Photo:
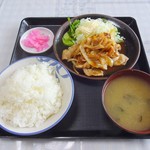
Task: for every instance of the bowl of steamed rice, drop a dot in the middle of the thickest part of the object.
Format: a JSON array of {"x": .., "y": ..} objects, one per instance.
[
  {"x": 35, "y": 95},
  {"x": 94, "y": 46}
]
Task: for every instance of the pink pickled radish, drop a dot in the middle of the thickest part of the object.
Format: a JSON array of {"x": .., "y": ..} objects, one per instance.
[{"x": 36, "y": 39}]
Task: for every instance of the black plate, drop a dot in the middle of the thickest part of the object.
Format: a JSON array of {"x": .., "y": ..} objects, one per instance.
[
  {"x": 130, "y": 46},
  {"x": 86, "y": 117}
]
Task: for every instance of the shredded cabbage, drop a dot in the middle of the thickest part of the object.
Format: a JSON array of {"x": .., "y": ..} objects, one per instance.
[{"x": 89, "y": 27}]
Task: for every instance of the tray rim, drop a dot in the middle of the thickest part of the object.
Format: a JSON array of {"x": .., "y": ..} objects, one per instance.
[{"x": 142, "y": 47}]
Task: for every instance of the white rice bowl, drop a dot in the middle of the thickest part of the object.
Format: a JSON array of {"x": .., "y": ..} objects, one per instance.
[{"x": 67, "y": 88}]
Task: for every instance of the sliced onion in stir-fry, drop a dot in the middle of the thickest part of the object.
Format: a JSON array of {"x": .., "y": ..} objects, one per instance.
[{"x": 95, "y": 54}]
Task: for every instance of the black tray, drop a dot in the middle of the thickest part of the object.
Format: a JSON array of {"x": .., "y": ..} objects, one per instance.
[{"x": 86, "y": 118}]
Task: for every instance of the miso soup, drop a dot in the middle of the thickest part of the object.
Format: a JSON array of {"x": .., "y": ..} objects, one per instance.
[{"x": 127, "y": 100}]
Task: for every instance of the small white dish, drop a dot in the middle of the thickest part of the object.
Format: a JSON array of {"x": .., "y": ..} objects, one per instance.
[
  {"x": 44, "y": 31},
  {"x": 66, "y": 83}
]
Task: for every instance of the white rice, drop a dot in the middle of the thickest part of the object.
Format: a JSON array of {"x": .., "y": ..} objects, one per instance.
[{"x": 30, "y": 96}]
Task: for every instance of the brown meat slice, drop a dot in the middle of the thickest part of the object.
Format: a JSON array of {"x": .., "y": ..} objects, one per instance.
[
  {"x": 93, "y": 72},
  {"x": 120, "y": 60}
]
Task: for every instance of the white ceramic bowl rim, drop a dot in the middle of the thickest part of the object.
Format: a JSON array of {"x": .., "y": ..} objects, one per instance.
[
  {"x": 62, "y": 116},
  {"x": 44, "y": 30}
]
